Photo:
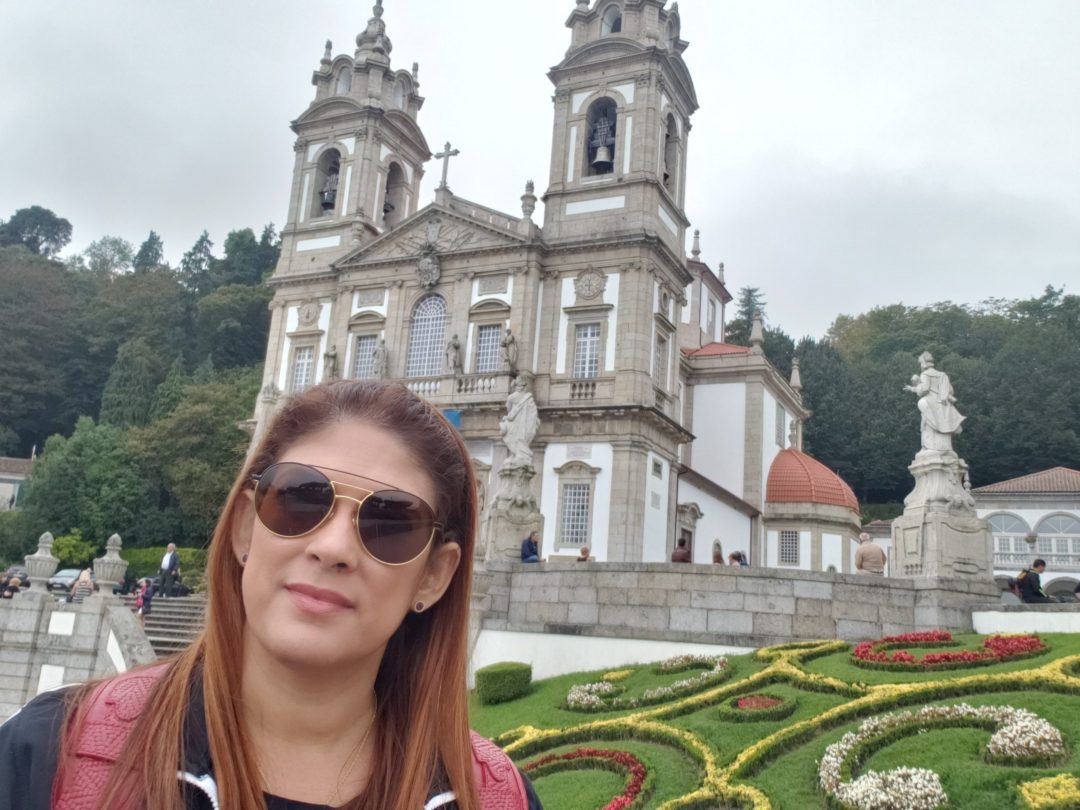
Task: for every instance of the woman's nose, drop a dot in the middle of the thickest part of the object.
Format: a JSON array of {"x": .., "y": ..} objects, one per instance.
[{"x": 335, "y": 541}]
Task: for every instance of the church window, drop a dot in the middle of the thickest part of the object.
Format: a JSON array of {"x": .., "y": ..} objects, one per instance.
[
  {"x": 781, "y": 423},
  {"x": 660, "y": 362},
  {"x": 394, "y": 201},
  {"x": 487, "y": 348},
  {"x": 574, "y": 526},
  {"x": 303, "y": 370},
  {"x": 427, "y": 338},
  {"x": 587, "y": 350},
  {"x": 364, "y": 366},
  {"x": 600, "y": 131},
  {"x": 658, "y": 469},
  {"x": 344, "y": 81},
  {"x": 327, "y": 174},
  {"x": 671, "y": 155},
  {"x": 789, "y": 548},
  {"x": 611, "y": 22},
  {"x": 400, "y": 94}
]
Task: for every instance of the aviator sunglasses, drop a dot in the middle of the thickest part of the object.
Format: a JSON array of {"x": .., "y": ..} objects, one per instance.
[{"x": 293, "y": 500}]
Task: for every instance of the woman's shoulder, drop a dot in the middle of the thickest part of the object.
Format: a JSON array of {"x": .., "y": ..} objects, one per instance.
[{"x": 29, "y": 745}]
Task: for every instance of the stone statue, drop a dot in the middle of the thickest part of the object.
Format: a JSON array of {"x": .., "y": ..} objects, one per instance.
[
  {"x": 453, "y": 355},
  {"x": 940, "y": 419},
  {"x": 380, "y": 360},
  {"x": 330, "y": 363},
  {"x": 519, "y": 426},
  {"x": 509, "y": 351}
]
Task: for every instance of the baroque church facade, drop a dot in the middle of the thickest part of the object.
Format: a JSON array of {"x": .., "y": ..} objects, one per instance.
[{"x": 651, "y": 428}]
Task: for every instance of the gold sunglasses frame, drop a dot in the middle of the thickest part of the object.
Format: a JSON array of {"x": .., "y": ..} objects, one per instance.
[{"x": 436, "y": 526}]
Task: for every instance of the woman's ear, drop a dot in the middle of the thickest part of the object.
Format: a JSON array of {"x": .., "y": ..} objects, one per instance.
[
  {"x": 438, "y": 573},
  {"x": 243, "y": 519}
]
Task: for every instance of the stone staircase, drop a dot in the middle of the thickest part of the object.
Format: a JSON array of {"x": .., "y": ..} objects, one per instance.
[{"x": 173, "y": 623}]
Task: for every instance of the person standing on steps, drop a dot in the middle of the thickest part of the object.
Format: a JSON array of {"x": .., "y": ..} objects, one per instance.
[{"x": 170, "y": 570}]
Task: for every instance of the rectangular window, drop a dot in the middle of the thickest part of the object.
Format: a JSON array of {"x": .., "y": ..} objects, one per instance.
[
  {"x": 1044, "y": 545},
  {"x": 487, "y": 348},
  {"x": 364, "y": 367},
  {"x": 660, "y": 362},
  {"x": 587, "y": 350},
  {"x": 780, "y": 418},
  {"x": 575, "y": 516},
  {"x": 303, "y": 370},
  {"x": 789, "y": 548},
  {"x": 710, "y": 323},
  {"x": 658, "y": 469}
]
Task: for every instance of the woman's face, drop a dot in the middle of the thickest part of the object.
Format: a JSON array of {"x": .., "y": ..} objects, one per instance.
[{"x": 320, "y": 600}]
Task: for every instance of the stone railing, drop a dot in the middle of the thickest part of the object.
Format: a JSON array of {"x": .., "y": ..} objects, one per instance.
[
  {"x": 1021, "y": 560},
  {"x": 448, "y": 389}
]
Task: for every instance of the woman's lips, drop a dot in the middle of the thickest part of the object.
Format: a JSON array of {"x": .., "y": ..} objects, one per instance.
[{"x": 317, "y": 600}]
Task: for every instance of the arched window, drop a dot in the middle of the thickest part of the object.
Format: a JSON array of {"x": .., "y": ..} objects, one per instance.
[
  {"x": 1060, "y": 535},
  {"x": 671, "y": 155},
  {"x": 395, "y": 200},
  {"x": 426, "y": 338},
  {"x": 400, "y": 94},
  {"x": 327, "y": 173},
  {"x": 611, "y": 22},
  {"x": 1010, "y": 547},
  {"x": 344, "y": 81},
  {"x": 671, "y": 36},
  {"x": 600, "y": 131}
]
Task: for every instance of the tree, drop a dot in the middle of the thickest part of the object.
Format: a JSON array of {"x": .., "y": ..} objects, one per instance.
[
  {"x": 195, "y": 266},
  {"x": 37, "y": 229},
  {"x": 151, "y": 253},
  {"x": 243, "y": 261},
  {"x": 108, "y": 256},
  {"x": 171, "y": 391},
  {"x": 750, "y": 300},
  {"x": 232, "y": 325},
  {"x": 129, "y": 391}
]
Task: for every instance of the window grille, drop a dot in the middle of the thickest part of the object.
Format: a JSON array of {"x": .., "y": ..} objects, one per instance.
[
  {"x": 660, "y": 362},
  {"x": 427, "y": 338},
  {"x": 789, "y": 548},
  {"x": 575, "y": 515},
  {"x": 587, "y": 350},
  {"x": 364, "y": 367},
  {"x": 780, "y": 419},
  {"x": 302, "y": 368},
  {"x": 487, "y": 348}
]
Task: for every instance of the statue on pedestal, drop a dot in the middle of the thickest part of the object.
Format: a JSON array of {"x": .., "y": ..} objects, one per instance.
[
  {"x": 519, "y": 426},
  {"x": 940, "y": 419},
  {"x": 330, "y": 368},
  {"x": 509, "y": 351},
  {"x": 453, "y": 355},
  {"x": 380, "y": 360}
]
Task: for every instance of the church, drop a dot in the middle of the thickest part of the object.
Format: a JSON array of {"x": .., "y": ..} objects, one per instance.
[{"x": 649, "y": 428}]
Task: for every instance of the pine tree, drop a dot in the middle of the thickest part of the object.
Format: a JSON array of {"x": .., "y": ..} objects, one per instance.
[
  {"x": 151, "y": 253},
  {"x": 129, "y": 391},
  {"x": 171, "y": 391},
  {"x": 195, "y": 266}
]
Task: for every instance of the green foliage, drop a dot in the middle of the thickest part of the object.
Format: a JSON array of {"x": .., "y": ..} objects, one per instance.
[
  {"x": 108, "y": 256},
  {"x": 72, "y": 551},
  {"x": 146, "y": 562},
  {"x": 171, "y": 391},
  {"x": 16, "y": 540},
  {"x": 37, "y": 229},
  {"x": 506, "y": 680},
  {"x": 9, "y": 440},
  {"x": 195, "y": 266},
  {"x": 151, "y": 253},
  {"x": 232, "y": 325},
  {"x": 129, "y": 391},
  {"x": 247, "y": 261}
]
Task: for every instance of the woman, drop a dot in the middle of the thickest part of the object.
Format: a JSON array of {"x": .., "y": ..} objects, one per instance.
[
  {"x": 144, "y": 600},
  {"x": 331, "y": 670},
  {"x": 82, "y": 587}
]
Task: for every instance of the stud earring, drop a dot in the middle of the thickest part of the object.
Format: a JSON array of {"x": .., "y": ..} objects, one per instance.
[
  {"x": 418, "y": 607},
  {"x": 243, "y": 559}
]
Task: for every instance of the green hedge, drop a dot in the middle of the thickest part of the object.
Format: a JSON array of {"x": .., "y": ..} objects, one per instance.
[
  {"x": 146, "y": 562},
  {"x": 506, "y": 680}
]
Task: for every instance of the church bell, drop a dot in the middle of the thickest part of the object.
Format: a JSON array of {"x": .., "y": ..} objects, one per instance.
[{"x": 602, "y": 161}]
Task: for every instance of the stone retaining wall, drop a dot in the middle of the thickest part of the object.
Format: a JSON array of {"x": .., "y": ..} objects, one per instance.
[{"x": 746, "y": 607}]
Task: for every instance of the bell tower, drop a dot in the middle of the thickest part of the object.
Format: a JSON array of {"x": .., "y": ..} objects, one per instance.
[
  {"x": 623, "y": 101},
  {"x": 359, "y": 153}
]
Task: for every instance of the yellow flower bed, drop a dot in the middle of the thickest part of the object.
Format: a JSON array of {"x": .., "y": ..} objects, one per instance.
[
  {"x": 1061, "y": 792},
  {"x": 617, "y": 675}
]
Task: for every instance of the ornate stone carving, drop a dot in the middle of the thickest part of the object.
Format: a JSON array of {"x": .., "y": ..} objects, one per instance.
[
  {"x": 590, "y": 284},
  {"x": 427, "y": 268},
  {"x": 371, "y": 297},
  {"x": 110, "y": 569},
  {"x": 519, "y": 426},
  {"x": 309, "y": 313},
  {"x": 41, "y": 564},
  {"x": 491, "y": 285},
  {"x": 940, "y": 419}
]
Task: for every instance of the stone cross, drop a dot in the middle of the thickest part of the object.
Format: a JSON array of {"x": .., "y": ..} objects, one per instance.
[{"x": 445, "y": 156}]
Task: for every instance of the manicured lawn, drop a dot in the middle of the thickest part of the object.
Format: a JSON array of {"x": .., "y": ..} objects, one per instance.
[{"x": 697, "y": 759}]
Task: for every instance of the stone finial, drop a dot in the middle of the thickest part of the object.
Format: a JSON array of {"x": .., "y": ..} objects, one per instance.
[
  {"x": 583, "y": 5},
  {"x": 109, "y": 570},
  {"x": 757, "y": 334},
  {"x": 377, "y": 9},
  {"x": 416, "y": 72},
  {"x": 796, "y": 378},
  {"x": 720, "y": 271},
  {"x": 372, "y": 41},
  {"x": 328, "y": 54},
  {"x": 528, "y": 200},
  {"x": 794, "y": 435},
  {"x": 42, "y": 564},
  {"x": 695, "y": 251}
]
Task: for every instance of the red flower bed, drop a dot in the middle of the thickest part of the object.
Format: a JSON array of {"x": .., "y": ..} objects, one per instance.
[
  {"x": 620, "y": 761},
  {"x": 757, "y": 702},
  {"x": 994, "y": 650}
]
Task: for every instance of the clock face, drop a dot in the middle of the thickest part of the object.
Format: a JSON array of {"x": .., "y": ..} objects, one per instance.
[{"x": 590, "y": 285}]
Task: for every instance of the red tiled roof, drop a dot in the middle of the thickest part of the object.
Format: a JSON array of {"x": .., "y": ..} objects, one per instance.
[
  {"x": 1055, "y": 480},
  {"x": 716, "y": 349},
  {"x": 17, "y": 466},
  {"x": 795, "y": 477}
]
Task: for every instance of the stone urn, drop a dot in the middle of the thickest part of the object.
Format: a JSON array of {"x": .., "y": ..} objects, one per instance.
[
  {"x": 42, "y": 564},
  {"x": 109, "y": 570}
]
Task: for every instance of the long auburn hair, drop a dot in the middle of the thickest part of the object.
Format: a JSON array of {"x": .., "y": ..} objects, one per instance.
[{"x": 422, "y": 715}]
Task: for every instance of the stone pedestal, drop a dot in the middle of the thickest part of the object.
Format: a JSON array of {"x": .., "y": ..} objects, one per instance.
[
  {"x": 512, "y": 515},
  {"x": 110, "y": 569},
  {"x": 939, "y": 534},
  {"x": 41, "y": 564}
]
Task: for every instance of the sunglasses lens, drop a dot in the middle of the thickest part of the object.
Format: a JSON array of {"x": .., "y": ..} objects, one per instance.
[
  {"x": 291, "y": 499},
  {"x": 394, "y": 526}
]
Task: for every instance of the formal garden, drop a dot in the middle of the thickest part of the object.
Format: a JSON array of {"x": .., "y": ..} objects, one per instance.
[{"x": 911, "y": 722}]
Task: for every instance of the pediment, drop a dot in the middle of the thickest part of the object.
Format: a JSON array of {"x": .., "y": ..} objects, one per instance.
[
  {"x": 328, "y": 108},
  {"x": 434, "y": 228}
]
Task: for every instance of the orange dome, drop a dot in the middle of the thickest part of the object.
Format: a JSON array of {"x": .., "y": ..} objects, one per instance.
[{"x": 795, "y": 477}]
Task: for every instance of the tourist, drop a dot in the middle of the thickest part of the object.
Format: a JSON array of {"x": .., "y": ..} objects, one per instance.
[
  {"x": 1030, "y": 582},
  {"x": 11, "y": 588},
  {"x": 738, "y": 558},
  {"x": 530, "y": 548},
  {"x": 681, "y": 553},
  {"x": 170, "y": 571},
  {"x": 717, "y": 553},
  {"x": 144, "y": 599},
  {"x": 583, "y": 554},
  {"x": 869, "y": 557},
  {"x": 82, "y": 587},
  {"x": 331, "y": 667}
]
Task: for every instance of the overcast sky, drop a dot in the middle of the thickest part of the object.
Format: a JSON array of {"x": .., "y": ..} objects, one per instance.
[{"x": 847, "y": 153}]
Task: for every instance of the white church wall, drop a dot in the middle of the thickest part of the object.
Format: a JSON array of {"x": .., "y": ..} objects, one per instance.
[
  {"x": 505, "y": 297},
  {"x": 567, "y": 298},
  {"x": 718, "y": 521},
  {"x": 772, "y": 551},
  {"x": 770, "y": 449},
  {"x": 654, "y": 547},
  {"x": 598, "y": 455},
  {"x": 719, "y": 425},
  {"x": 292, "y": 320},
  {"x": 832, "y": 552}
]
